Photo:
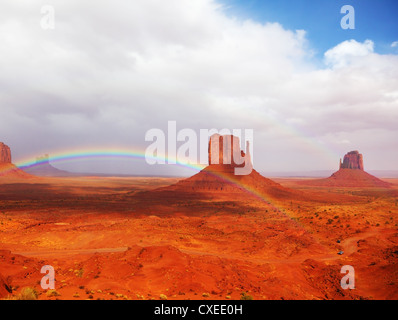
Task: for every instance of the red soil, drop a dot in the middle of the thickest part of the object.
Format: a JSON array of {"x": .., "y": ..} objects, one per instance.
[
  {"x": 5, "y": 288},
  {"x": 111, "y": 238}
]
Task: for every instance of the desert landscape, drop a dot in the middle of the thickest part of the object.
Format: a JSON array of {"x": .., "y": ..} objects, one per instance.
[
  {"x": 212, "y": 236},
  {"x": 198, "y": 150}
]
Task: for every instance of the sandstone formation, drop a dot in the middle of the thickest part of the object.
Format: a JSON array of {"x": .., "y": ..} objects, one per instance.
[
  {"x": 352, "y": 160},
  {"x": 5, "y": 153},
  {"x": 226, "y": 150},
  {"x": 225, "y": 155},
  {"x": 229, "y": 173},
  {"x": 351, "y": 174}
]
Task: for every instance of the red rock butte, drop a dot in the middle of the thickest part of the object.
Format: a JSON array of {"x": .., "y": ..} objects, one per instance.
[
  {"x": 226, "y": 156},
  {"x": 351, "y": 174},
  {"x": 219, "y": 177},
  {"x": 352, "y": 160}
]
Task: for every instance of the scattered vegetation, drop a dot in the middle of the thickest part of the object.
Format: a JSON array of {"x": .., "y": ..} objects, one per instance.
[
  {"x": 79, "y": 273},
  {"x": 27, "y": 293},
  {"x": 163, "y": 297},
  {"x": 245, "y": 296},
  {"x": 52, "y": 293}
]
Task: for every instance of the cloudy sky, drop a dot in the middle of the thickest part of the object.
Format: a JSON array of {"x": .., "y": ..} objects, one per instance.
[{"x": 109, "y": 71}]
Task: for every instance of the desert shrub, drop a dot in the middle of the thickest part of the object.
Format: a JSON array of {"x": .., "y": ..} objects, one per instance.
[
  {"x": 245, "y": 296},
  {"x": 27, "y": 293},
  {"x": 79, "y": 273},
  {"x": 52, "y": 293}
]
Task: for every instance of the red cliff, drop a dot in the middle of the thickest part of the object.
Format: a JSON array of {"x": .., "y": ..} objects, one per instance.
[
  {"x": 352, "y": 160},
  {"x": 226, "y": 156}
]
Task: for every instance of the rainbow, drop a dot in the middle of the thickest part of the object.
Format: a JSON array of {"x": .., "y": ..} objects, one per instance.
[
  {"x": 90, "y": 153},
  {"x": 71, "y": 155}
]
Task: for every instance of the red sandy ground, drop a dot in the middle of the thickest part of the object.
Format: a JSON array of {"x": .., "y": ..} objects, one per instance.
[{"x": 112, "y": 238}]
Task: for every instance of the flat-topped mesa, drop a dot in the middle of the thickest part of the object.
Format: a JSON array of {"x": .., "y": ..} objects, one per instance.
[
  {"x": 5, "y": 153},
  {"x": 352, "y": 160},
  {"x": 225, "y": 155}
]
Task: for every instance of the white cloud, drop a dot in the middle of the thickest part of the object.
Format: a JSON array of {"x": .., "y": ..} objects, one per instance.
[
  {"x": 112, "y": 70},
  {"x": 394, "y": 44},
  {"x": 345, "y": 52}
]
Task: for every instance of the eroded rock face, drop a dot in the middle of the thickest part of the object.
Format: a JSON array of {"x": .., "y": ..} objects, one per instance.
[
  {"x": 225, "y": 155},
  {"x": 5, "y": 153},
  {"x": 352, "y": 160}
]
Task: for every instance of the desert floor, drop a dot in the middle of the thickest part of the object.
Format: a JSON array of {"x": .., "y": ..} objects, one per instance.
[{"x": 111, "y": 238}]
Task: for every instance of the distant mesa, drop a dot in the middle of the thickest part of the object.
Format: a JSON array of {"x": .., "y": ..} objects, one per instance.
[
  {"x": 350, "y": 174},
  {"x": 220, "y": 178},
  {"x": 7, "y": 169},
  {"x": 43, "y": 168}
]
